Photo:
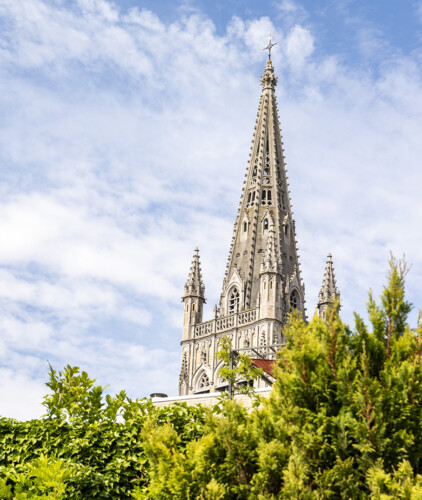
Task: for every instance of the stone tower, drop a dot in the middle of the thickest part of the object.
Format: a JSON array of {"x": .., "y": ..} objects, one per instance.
[
  {"x": 262, "y": 283},
  {"x": 328, "y": 293}
]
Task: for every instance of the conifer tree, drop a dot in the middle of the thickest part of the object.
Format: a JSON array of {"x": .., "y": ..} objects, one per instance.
[{"x": 343, "y": 419}]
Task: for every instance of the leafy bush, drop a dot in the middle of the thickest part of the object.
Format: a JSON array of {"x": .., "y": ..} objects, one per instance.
[{"x": 96, "y": 445}]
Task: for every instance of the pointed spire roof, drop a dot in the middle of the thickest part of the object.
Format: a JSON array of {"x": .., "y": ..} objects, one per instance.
[
  {"x": 271, "y": 259},
  {"x": 328, "y": 292},
  {"x": 194, "y": 285},
  {"x": 265, "y": 198}
]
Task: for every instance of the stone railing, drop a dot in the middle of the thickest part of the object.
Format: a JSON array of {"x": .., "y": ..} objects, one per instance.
[
  {"x": 204, "y": 328},
  {"x": 247, "y": 317},
  {"x": 226, "y": 323}
]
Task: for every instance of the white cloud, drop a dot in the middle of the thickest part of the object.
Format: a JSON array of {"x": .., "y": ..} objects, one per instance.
[
  {"x": 299, "y": 46},
  {"x": 291, "y": 12},
  {"x": 418, "y": 9}
]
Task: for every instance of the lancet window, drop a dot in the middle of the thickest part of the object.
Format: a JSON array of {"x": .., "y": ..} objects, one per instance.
[
  {"x": 234, "y": 301},
  {"x": 266, "y": 197},
  {"x": 294, "y": 300},
  {"x": 251, "y": 197}
]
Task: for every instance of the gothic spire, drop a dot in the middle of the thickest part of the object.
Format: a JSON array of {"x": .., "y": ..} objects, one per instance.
[
  {"x": 328, "y": 292},
  {"x": 194, "y": 285},
  {"x": 265, "y": 199}
]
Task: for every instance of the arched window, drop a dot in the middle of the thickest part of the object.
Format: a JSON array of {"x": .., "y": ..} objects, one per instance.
[
  {"x": 286, "y": 229},
  {"x": 294, "y": 300},
  {"x": 245, "y": 226},
  {"x": 249, "y": 197},
  {"x": 234, "y": 301},
  {"x": 255, "y": 171},
  {"x": 269, "y": 195},
  {"x": 253, "y": 196},
  {"x": 265, "y": 224},
  {"x": 264, "y": 195},
  {"x": 267, "y": 169}
]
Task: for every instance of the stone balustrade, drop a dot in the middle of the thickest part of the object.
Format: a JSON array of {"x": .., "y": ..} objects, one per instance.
[{"x": 226, "y": 323}]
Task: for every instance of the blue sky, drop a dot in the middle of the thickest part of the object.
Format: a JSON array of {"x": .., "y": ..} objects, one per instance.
[{"x": 125, "y": 133}]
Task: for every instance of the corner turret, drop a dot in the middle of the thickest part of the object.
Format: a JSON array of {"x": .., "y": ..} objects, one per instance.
[
  {"x": 194, "y": 296},
  {"x": 328, "y": 293}
]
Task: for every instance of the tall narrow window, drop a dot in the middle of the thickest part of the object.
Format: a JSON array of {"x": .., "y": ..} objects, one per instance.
[
  {"x": 255, "y": 171},
  {"x": 267, "y": 169},
  {"x": 245, "y": 226},
  {"x": 265, "y": 224},
  {"x": 234, "y": 301},
  {"x": 269, "y": 195},
  {"x": 253, "y": 196},
  {"x": 249, "y": 197},
  {"x": 264, "y": 195},
  {"x": 294, "y": 300}
]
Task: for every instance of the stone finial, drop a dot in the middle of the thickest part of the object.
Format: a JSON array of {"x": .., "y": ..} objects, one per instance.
[
  {"x": 268, "y": 79},
  {"x": 328, "y": 293},
  {"x": 194, "y": 285},
  {"x": 270, "y": 262}
]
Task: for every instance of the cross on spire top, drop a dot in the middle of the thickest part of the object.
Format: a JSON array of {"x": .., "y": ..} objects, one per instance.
[{"x": 270, "y": 46}]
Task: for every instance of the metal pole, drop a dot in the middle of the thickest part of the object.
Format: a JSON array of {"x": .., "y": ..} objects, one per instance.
[{"x": 231, "y": 366}]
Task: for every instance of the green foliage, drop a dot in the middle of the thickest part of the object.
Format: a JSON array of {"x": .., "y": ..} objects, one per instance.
[
  {"x": 238, "y": 371},
  {"x": 343, "y": 419},
  {"x": 42, "y": 478},
  {"x": 94, "y": 448},
  {"x": 402, "y": 483}
]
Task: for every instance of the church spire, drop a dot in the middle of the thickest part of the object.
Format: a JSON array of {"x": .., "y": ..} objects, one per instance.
[
  {"x": 194, "y": 285},
  {"x": 265, "y": 202},
  {"x": 328, "y": 293}
]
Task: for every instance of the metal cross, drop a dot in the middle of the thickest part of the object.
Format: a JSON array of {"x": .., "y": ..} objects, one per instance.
[{"x": 269, "y": 46}]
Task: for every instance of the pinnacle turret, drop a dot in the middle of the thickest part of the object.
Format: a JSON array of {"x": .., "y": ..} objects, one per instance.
[
  {"x": 268, "y": 79},
  {"x": 328, "y": 293},
  {"x": 194, "y": 285},
  {"x": 271, "y": 262}
]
